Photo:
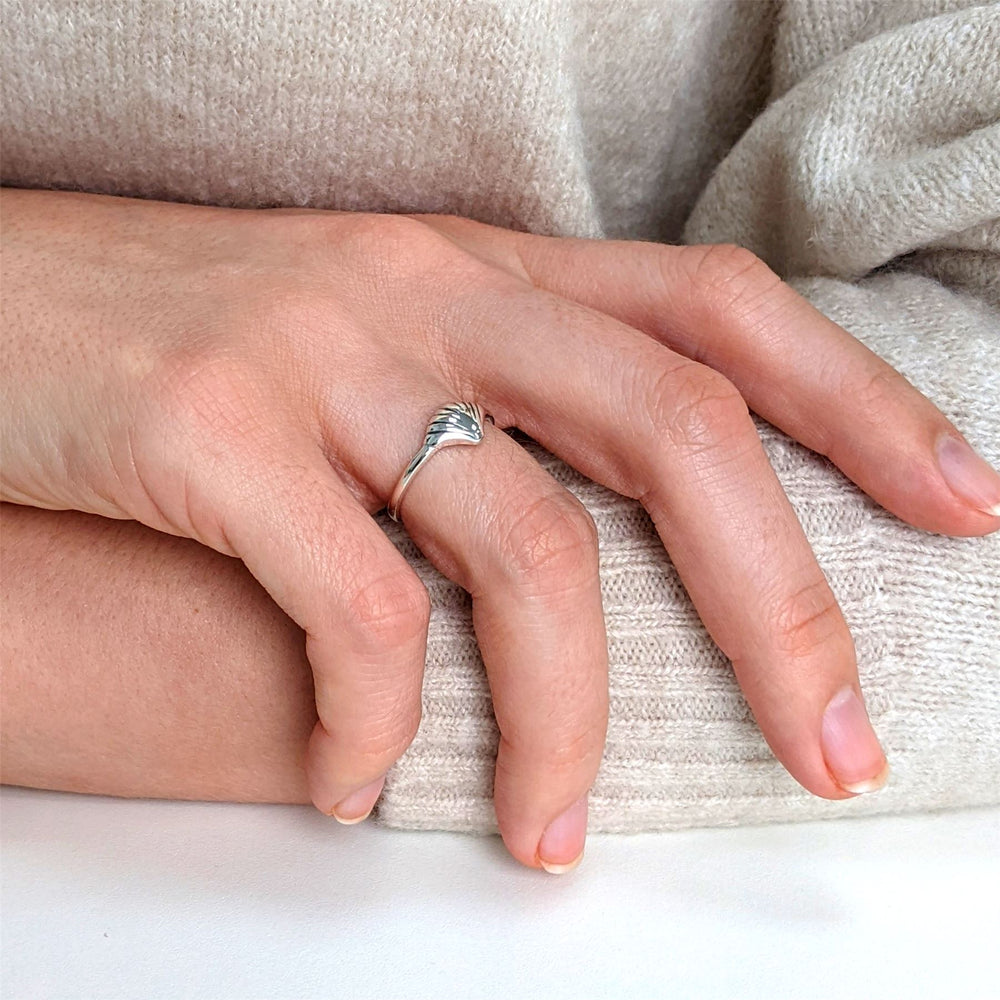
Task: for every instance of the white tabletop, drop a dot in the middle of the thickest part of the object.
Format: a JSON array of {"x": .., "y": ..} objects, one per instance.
[{"x": 112, "y": 898}]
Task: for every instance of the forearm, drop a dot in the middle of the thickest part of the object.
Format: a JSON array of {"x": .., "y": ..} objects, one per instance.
[{"x": 140, "y": 664}]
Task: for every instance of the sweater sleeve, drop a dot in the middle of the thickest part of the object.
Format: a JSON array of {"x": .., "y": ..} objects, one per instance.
[
  {"x": 871, "y": 182},
  {"x": 885, "y": 156}
]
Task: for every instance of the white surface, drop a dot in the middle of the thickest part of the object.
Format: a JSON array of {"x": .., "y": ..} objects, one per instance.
[{"x": 111, "y": 898}]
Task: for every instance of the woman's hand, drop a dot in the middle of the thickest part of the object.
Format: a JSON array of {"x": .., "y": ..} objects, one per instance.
[{"x": 258, "y": 380}]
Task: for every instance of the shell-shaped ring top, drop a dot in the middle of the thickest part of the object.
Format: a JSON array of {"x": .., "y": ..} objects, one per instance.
[{"x": 456, "y": 423}]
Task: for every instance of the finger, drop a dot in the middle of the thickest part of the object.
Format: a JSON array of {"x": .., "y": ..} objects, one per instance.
[
  {"x": 364, "y": 610},
  {"x": 722, "y": 306},
  {"x": 491, "y": 519},
  {"x": 650, "y": 424}
]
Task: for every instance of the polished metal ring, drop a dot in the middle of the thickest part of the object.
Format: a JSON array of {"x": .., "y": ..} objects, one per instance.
[{"x": 456, "y": 423}]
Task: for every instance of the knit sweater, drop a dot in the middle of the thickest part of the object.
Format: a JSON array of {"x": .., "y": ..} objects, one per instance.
[{"x": 853, "y": 144}]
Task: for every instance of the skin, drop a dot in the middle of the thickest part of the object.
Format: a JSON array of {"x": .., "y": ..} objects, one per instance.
[
  {"x": 255, "y": 381},
  {"x": 163, "y": 668}
]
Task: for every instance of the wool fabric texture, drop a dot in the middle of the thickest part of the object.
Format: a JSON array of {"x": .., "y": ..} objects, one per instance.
[{"x": 852, "y": 144}]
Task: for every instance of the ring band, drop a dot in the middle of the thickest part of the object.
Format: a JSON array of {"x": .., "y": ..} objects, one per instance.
[{"x": 456, "y": 423}]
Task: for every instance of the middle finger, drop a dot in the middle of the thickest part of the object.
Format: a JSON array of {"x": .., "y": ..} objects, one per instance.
[{"x": 653, "y": 425}]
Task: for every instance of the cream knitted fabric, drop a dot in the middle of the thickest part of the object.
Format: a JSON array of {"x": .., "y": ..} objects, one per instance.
[
  {"x": 554, "y": 116},
  {"x": 868, "y": 174}
]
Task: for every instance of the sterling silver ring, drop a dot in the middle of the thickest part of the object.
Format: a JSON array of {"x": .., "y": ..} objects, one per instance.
[{"x": 456, "y": 423}]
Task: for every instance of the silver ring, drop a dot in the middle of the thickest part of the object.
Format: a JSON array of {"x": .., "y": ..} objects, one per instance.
[{"x": 456, "y": 423}]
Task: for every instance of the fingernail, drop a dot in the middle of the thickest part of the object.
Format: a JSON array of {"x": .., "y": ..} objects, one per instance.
[
  {"x": 561, "y": 846},
  {"x": 851, "y": 749},
  {"x": 970, "y": 476},
  {"x": 358, "y": 805}
]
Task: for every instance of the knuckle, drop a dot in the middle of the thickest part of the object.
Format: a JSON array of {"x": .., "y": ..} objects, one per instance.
[
  {"x": 559, "y": 752},
  {"x": 386, "y": 735},
  {"x": 429, "y": 281},
  {"x": 730, "y": 277},
  {"x": 549, "y": 542},
  {"x": 569, "y": 750},
  {"x": 375, "y": 234},
  {"x": 876, "y": 395},
  {"x": 807, "y": 620},
  {"x": 230, "y": 376},
  {"x": 388, "y": 609},
  {"x": 697, "y": 408},
  {"x": 402, "y": 249},
  {"x": 205, "y": 393},
  {"x": 286, "y": 314}
]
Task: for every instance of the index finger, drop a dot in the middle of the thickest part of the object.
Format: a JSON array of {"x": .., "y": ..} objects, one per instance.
[{"x": 723, "y": 306}]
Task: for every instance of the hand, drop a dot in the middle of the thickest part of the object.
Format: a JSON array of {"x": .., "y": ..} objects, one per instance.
[{"x": 257, "y": 380}]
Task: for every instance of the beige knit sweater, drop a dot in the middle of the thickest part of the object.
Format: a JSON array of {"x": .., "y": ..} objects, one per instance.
[{"x": 853, "y": 144}]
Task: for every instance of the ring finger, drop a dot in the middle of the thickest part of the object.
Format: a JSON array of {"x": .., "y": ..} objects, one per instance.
[{"x": 492, "y": 520}]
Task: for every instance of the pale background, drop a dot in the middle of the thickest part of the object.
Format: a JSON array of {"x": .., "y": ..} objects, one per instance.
[{"x": 107, "y": 898}]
